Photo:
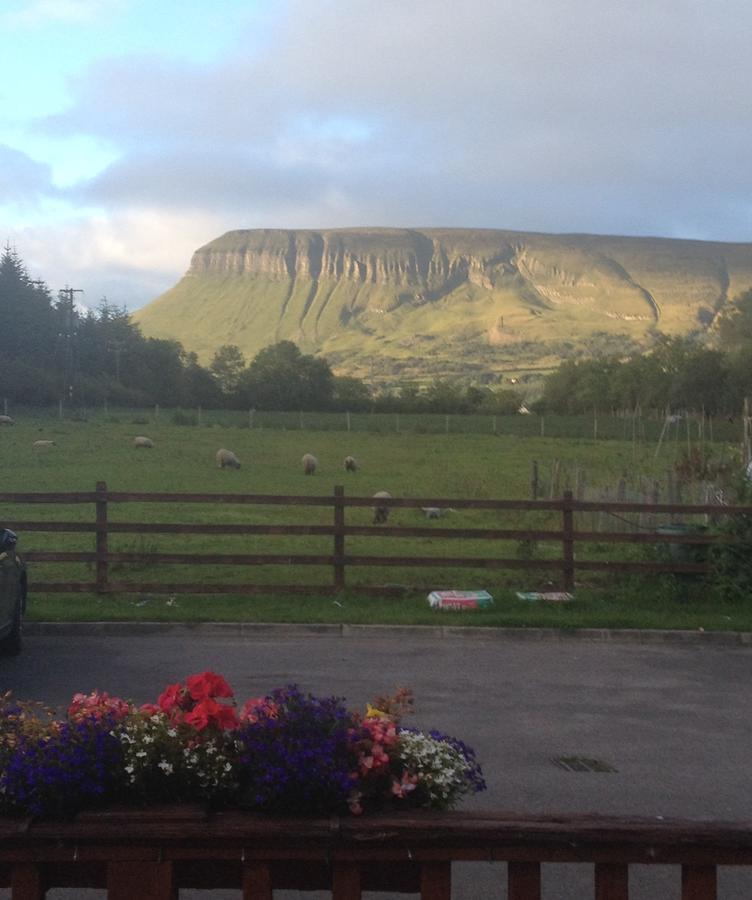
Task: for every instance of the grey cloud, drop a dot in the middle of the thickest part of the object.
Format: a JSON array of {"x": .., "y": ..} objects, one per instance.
[
  {"x": 22, "y": 179},
  {"x": 489, "y": 112}
]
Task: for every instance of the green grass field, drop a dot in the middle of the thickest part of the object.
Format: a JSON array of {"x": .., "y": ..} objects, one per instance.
[{"x": 423, "y": 465}]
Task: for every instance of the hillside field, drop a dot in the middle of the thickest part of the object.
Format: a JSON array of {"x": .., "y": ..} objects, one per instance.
[{"x": 406, "y": 464}]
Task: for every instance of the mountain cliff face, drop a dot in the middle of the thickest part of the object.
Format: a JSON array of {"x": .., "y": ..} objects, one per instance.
[{"x": 381, "y": 303}]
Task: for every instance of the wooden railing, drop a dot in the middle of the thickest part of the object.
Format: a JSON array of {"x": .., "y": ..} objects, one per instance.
[
  {"x": 151, "y": 854},
  {"x": 339, "y": 560}
]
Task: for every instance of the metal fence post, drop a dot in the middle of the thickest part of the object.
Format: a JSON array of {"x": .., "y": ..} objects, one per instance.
[
  {"x": 339, "y": 538},
  {"x": 102, "y": 548}
]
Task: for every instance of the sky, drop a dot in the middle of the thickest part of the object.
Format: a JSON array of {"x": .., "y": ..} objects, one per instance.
[{"x": 134, "y": 131}]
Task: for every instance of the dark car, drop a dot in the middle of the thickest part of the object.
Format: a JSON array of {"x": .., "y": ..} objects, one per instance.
[{"x": 12, "y": 594}]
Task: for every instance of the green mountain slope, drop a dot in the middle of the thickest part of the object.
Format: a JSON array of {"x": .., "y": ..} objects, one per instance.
[{"x": 385, "y": 302}]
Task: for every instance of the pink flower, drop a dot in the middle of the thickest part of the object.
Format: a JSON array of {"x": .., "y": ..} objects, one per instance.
[
  {"x": 405, "y": 785},
  {"x": 96, "y": 705},
  {"x": 257, "y": 707}
]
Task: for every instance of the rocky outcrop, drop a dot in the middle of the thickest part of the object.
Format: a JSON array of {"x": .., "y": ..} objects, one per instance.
[{"x": 369, "y": 293}]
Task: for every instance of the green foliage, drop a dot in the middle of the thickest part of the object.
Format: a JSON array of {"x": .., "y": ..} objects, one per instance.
[
  {"x": 281, "y": 377},
  {"x": 678, "y": 373},
  {"x": 226, "y": 367},
  {"x": 732, "y": 562}
]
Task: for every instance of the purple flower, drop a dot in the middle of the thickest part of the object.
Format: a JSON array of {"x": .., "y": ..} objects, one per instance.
[
  {"x": 297, "y": 757},
  {"x": 64, "y": 770}
]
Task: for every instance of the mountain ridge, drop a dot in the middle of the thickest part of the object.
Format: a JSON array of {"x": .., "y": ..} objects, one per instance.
[{"x": 385, "y": 303}]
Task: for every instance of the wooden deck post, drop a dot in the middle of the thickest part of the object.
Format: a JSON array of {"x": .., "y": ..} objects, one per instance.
[
  {"x": 611, "y": 881},
  {"x": 524, "y": 881},
  {"x": 699, "y": 883},
  {"x": 102, "y": 537},
  {"x": 26, "y": 882},
  {"x": 147, "y": 881},
  {"x": 436, "y": 881},
  {"x": 257, "y": 881},
  {"x": 346, "y": 881}
]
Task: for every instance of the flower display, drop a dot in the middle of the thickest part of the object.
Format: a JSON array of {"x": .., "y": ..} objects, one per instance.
[{"x": 288, "y": 753}]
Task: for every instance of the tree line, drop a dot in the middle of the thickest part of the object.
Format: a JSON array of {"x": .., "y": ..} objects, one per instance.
[
  {"x": 52, "y": 349},
  {"x": 678, "y": 373}
]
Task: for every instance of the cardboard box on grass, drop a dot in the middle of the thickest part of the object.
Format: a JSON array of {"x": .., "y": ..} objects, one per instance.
[{"x": 460, "y": 600}]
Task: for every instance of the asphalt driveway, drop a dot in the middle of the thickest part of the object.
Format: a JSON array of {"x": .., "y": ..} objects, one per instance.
[{"x": 672, "y": 719}]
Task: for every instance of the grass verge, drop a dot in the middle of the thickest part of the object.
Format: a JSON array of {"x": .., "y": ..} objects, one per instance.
[{"x": 665, "y": 603}]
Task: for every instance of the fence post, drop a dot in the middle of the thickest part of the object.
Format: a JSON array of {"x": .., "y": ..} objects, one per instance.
[
  {"x": 339, "y": 538},
  {"x": 567, "y": 539},
  {"x": 102, "y": 549}
]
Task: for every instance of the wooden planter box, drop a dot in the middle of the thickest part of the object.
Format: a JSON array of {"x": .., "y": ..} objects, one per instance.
[{"x": 152, "y": 853}]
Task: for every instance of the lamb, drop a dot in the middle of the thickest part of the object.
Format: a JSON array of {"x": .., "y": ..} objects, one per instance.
[
  {"x": 351, "y": 464},
  {"x": 142, "y": 441},
  {"x": 309, "y": 464},
  {"x": 381, "y": 510},
  {"x": 226, "y": 459},
  {"x": 43, "y": 444},
  {"x": 7, "y": 420},
  {"x": 432, "y": 512}
]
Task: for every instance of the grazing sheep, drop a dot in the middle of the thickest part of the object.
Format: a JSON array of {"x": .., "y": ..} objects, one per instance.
[
  {"x": 226, "y": 459},
  {"x": 6, "y": 420},
  {"x": 43, "y": 444},
  {"x": 142, "y": 441},
  {"x": 381, "y": 510},
  {"x": 432, "y": 512},
  {"x": 309, "y": 464},
  {"x": 351, "y": 464}
]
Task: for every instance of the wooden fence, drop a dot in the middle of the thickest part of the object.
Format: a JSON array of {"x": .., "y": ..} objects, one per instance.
[
  {"x": 564, "y": 567},
  {"x": 152, "y": 854}
]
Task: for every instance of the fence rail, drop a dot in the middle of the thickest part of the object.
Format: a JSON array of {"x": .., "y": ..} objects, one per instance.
[
  {"x": 570, "y": 539},
  {"x": 154, "y": 853}
]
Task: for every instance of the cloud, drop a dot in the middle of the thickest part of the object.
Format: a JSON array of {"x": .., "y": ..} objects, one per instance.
[
  {"x": 130, "y": 257},
  {"x": 42, "y": 12},
  {"x": 23, "y": 181},
  {"x": 590, "y": 115}
]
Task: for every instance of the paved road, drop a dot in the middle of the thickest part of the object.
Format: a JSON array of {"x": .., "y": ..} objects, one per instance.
[{"x": 672, "y": 719}]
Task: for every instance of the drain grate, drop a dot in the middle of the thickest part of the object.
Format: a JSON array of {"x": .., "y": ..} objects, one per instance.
[{"x": 582, "y": 764}]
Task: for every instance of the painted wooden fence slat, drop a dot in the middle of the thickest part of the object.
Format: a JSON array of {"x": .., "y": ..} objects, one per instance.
[
  {"x": 611, "y": 881},
  {"x": 699, "y": 882},
  {"x": 524, "y": 881}
]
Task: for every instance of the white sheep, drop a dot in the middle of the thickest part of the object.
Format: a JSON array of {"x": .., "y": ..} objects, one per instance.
[
  {"x": 142, "y": 441},
  {"x": 7, "y": 420},
  {"x": 309, "y": 464},
  {"x": 226, "y": 459},
  {"x": 39, "y": 445},
  {"x": 381, "y": 510},
  {"x": 351, "y": 464},
  {"x": 432, "y": 512}
]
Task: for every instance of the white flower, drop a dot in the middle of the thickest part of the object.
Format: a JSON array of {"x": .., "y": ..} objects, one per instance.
[{"x": 166, "y": 767}]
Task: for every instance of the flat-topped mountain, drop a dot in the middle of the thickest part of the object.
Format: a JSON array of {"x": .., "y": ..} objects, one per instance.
[{"x": 386, "y": 302}]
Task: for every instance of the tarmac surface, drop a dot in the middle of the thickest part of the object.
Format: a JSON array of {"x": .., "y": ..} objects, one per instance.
[{"x": 671, "y": 717}]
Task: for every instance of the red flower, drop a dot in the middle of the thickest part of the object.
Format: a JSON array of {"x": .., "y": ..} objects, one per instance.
[
  {"x": 207, "y": 685},
  {"x": 209, "y": 712},
  {"x": 171, "y": 697}
]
